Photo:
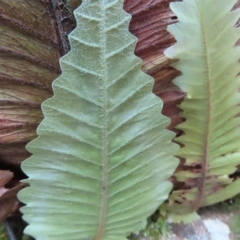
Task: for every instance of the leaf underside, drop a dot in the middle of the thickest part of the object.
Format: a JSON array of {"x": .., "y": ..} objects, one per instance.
[
  {"x": 208, "y": 61},
  {"x": 100, "y": 163}
]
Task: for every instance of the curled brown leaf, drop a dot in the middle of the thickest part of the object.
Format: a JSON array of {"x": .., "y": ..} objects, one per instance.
[{"x": 8, "y": 190}]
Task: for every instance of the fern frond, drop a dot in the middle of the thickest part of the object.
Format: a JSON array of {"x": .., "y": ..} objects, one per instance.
[
  {"x": 103, "y": 155},
  {"x": 208, "y": 60}
]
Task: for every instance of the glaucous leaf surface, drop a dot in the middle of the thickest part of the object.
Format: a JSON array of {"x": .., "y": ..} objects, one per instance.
[
  {"x": 208, "y": 60},
  {"x": 103, "y": 156}
]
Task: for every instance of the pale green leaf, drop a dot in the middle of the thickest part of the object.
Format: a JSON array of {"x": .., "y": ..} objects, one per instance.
[
  {"x": 208, "y": 61},
  {"x": 102, "y": 158}
]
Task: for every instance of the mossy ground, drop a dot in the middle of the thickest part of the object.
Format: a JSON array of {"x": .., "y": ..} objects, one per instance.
[{"x": 228, "y": 212}]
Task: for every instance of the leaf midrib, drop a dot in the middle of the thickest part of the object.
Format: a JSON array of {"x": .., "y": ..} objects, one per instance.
[
  {"x": 201, "y": 187},
  {"x": 104, "y": 167}
]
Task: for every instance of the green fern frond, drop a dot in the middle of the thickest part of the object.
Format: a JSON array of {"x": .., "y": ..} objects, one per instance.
[
  {"x": 208, "y": 60},
  {"x": 103, "y": 156}
]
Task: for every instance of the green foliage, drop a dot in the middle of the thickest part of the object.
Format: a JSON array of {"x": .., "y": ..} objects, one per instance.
[
  {"x": 235, "y": 225},
  {"x": 25, "y": 237},
  {"x": 103, "y": 155},
  {"x": 67, "y": 5},
  {"x": 234, "y": 211},
  {"x": 208, "y": 61},
  {"x": 3, "y": 234},
  {"x": 157, "y": 230}
]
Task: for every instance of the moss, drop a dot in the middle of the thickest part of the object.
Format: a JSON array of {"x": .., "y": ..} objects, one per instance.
[
  {"x": 157, "y": 227},
  {"x": 235, "y": 225},
  {"x": 3, "y": 234},
  {"x": 235, "y": 220}
]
